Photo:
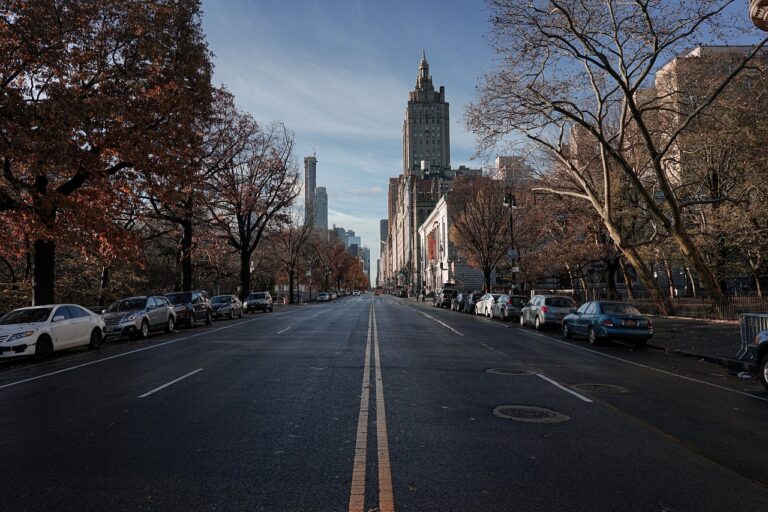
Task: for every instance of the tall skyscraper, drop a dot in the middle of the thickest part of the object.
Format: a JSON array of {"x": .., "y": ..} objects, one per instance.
[
  {"x": 383, "y": 229},
  {"x": 426, "y": 134},
  {"x": 321, "y": 209},
  {"x": 310, "y": 177}
]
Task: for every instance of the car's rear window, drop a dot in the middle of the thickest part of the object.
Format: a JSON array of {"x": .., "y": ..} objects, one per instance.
[
  {"x": 559, "y": 302},
  {"x": 255, "y": 296},
  {"x": 613, "y": 308},
  {"x": 519, "y": 301}
]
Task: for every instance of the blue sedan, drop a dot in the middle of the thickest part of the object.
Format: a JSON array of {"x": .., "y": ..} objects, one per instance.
[{"x": 603, "y": 320}]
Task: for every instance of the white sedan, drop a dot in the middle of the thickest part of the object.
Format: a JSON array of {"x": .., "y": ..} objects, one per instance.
[
  {"x": 485, "y": 304},
  {"x": 41, "y": 330}
]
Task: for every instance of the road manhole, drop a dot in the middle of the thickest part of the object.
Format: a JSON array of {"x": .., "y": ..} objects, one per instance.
[
  {"x": 529, "y": 414},
  {"x": 601, "y": 388},
  {"x": 509, "y": 371}
]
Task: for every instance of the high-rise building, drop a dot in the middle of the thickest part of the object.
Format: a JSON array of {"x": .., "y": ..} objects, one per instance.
[
  {"x": 383, "y": 227},
  {"x": 512, "y": 171},
  {"x": 426, "y": 136},
  {"x": 310, "y": 178},
  {"x": 427, "y": 176},
  {"x": 321, "y": 209}
]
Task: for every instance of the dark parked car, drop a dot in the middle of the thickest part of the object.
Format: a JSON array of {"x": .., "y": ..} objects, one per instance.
[
  {"x": 470, "y": 301},
  {"x": 508, "y": 307},
  {"x": 191, "y": 307},
  {"x": 226, "y": 306},
  {"x": 457, "y": 303},
  {"x": 137, "y": 316},
  {"x": 602, "y": 320},
  {"x": 443, "y": 299},
  {"x": 544, "y": 310},
  {"x": 258, "y": 301}
]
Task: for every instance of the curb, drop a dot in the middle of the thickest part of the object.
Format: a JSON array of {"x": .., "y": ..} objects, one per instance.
[
  {"x": 734, "y": 364},
  {"x": 726, "y": 322}
]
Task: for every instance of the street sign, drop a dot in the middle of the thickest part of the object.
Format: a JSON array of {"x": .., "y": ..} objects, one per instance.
[
  {"x": 515, "y": 270},
  {"x": 512, "y": 254}
]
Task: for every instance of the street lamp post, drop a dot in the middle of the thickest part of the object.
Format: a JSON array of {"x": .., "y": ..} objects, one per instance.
[{"x": 511, "y": 204}]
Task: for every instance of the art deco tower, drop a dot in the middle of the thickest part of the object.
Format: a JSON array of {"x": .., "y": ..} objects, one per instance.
[{"x": 426, "y": 128}]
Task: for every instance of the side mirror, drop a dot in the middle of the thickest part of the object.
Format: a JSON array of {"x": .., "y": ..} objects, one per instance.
[
  {"x": 58, "y": 318},
  {"x": 103, "y": 311}
]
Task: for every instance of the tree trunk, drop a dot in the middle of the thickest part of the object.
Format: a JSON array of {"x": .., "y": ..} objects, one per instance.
[
  {"x": 694, "y": 286},
  {"x": 651, "y": 284},
  {"x": 670, "y": 278},
  {"x": 487, "y": 280},
  {"x": 245, "y": 274},
  {"x": 290, "y": 285},
  {"x": 186, "y": 256},
  {"x": 43, "y": 272},
  {"x": 585, "y": 287},
  {"x": 627, "y": 279},
  {"x": 696, "y": 263},
  {"x": 611, "y": 266}
]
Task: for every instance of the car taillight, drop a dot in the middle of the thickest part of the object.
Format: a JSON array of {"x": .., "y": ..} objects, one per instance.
[
  {"x": 608, "y": 323},
  {"x": 650, "y": 324},
  {"x": 544, "y": 309}
]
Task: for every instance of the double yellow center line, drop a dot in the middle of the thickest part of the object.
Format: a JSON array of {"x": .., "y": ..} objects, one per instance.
[{"x": 357, "y": 493}]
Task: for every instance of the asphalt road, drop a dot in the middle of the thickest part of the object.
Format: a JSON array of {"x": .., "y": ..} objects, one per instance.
[{"x": 378, "y": 404}]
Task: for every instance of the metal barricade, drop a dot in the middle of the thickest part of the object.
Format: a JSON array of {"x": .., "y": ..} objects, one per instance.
[{"x": 750, "y": 324}]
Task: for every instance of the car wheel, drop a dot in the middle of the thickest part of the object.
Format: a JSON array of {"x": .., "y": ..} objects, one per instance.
[
  {"x": 169, "y": 326},
  {"x": 144, "y": 329},
  {"x": 593, "y": 340},
  {"x": 504, "y": 315},
  {"x": 95, "y": 339},
  {"x": 208, "y": 318},
  {"x": 537, "y": 323},
  {"x": 231, "y": 314},
  {"x": 566, "y": 331},
  {"x": 522, "y": 320},
  {"x": 43, "y": 347},
  {"x": 763, "y": 371},
  {"x": 240, "y": 315}
]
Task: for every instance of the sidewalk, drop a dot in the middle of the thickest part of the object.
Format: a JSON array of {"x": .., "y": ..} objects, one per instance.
[{"x": 714, "y": 341}]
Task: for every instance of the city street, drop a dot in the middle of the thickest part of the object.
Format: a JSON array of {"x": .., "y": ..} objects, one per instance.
[{"x": 378, "y": 403}]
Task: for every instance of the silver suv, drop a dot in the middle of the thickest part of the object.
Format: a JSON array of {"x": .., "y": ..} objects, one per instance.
[
  {"x": 258, "y": 301},
  {"x": 137, "y": 316},
  {"x": 544, "y": 310}
]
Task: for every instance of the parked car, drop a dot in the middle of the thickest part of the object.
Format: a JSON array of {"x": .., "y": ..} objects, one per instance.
[
  {"x": 457, "y": 302},
  {"x": 546, "y": 310},
  {"x": 470, "y": 301},
  {"x": 602, "y": 320},
  {"x": 484, "y": 306},
  {"x": 508, "y": 307},
  {"x": 42, "y": 330},
  {"x": 137, "y": 316},
  {"x": 191, "y": 307},
  {"x": 355, "y": 292},
  {"x": 758, "y": 352},
  {"x": 226, "y": 306},
  {"x": 323, "y": 297},
  {"x": 259, "y": 301},
  {"x": 443, "y": 299}
]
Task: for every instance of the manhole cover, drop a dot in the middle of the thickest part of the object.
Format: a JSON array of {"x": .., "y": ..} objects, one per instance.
[
  {"x": 529, "y": 414},
  {"x": 601, "y": 388},
  {"x": 509, "y": 371}
]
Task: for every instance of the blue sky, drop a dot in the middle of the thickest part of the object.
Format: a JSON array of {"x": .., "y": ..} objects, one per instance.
[{"x": 338, "y": 74}]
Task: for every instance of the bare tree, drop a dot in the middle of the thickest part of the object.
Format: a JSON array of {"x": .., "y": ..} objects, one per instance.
[
  {"x": 478, "y": 228},
  {"x": 248, "y": 195},
  {"x": 290, "y": 242},
  {"x": 570, "y": 63}
]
